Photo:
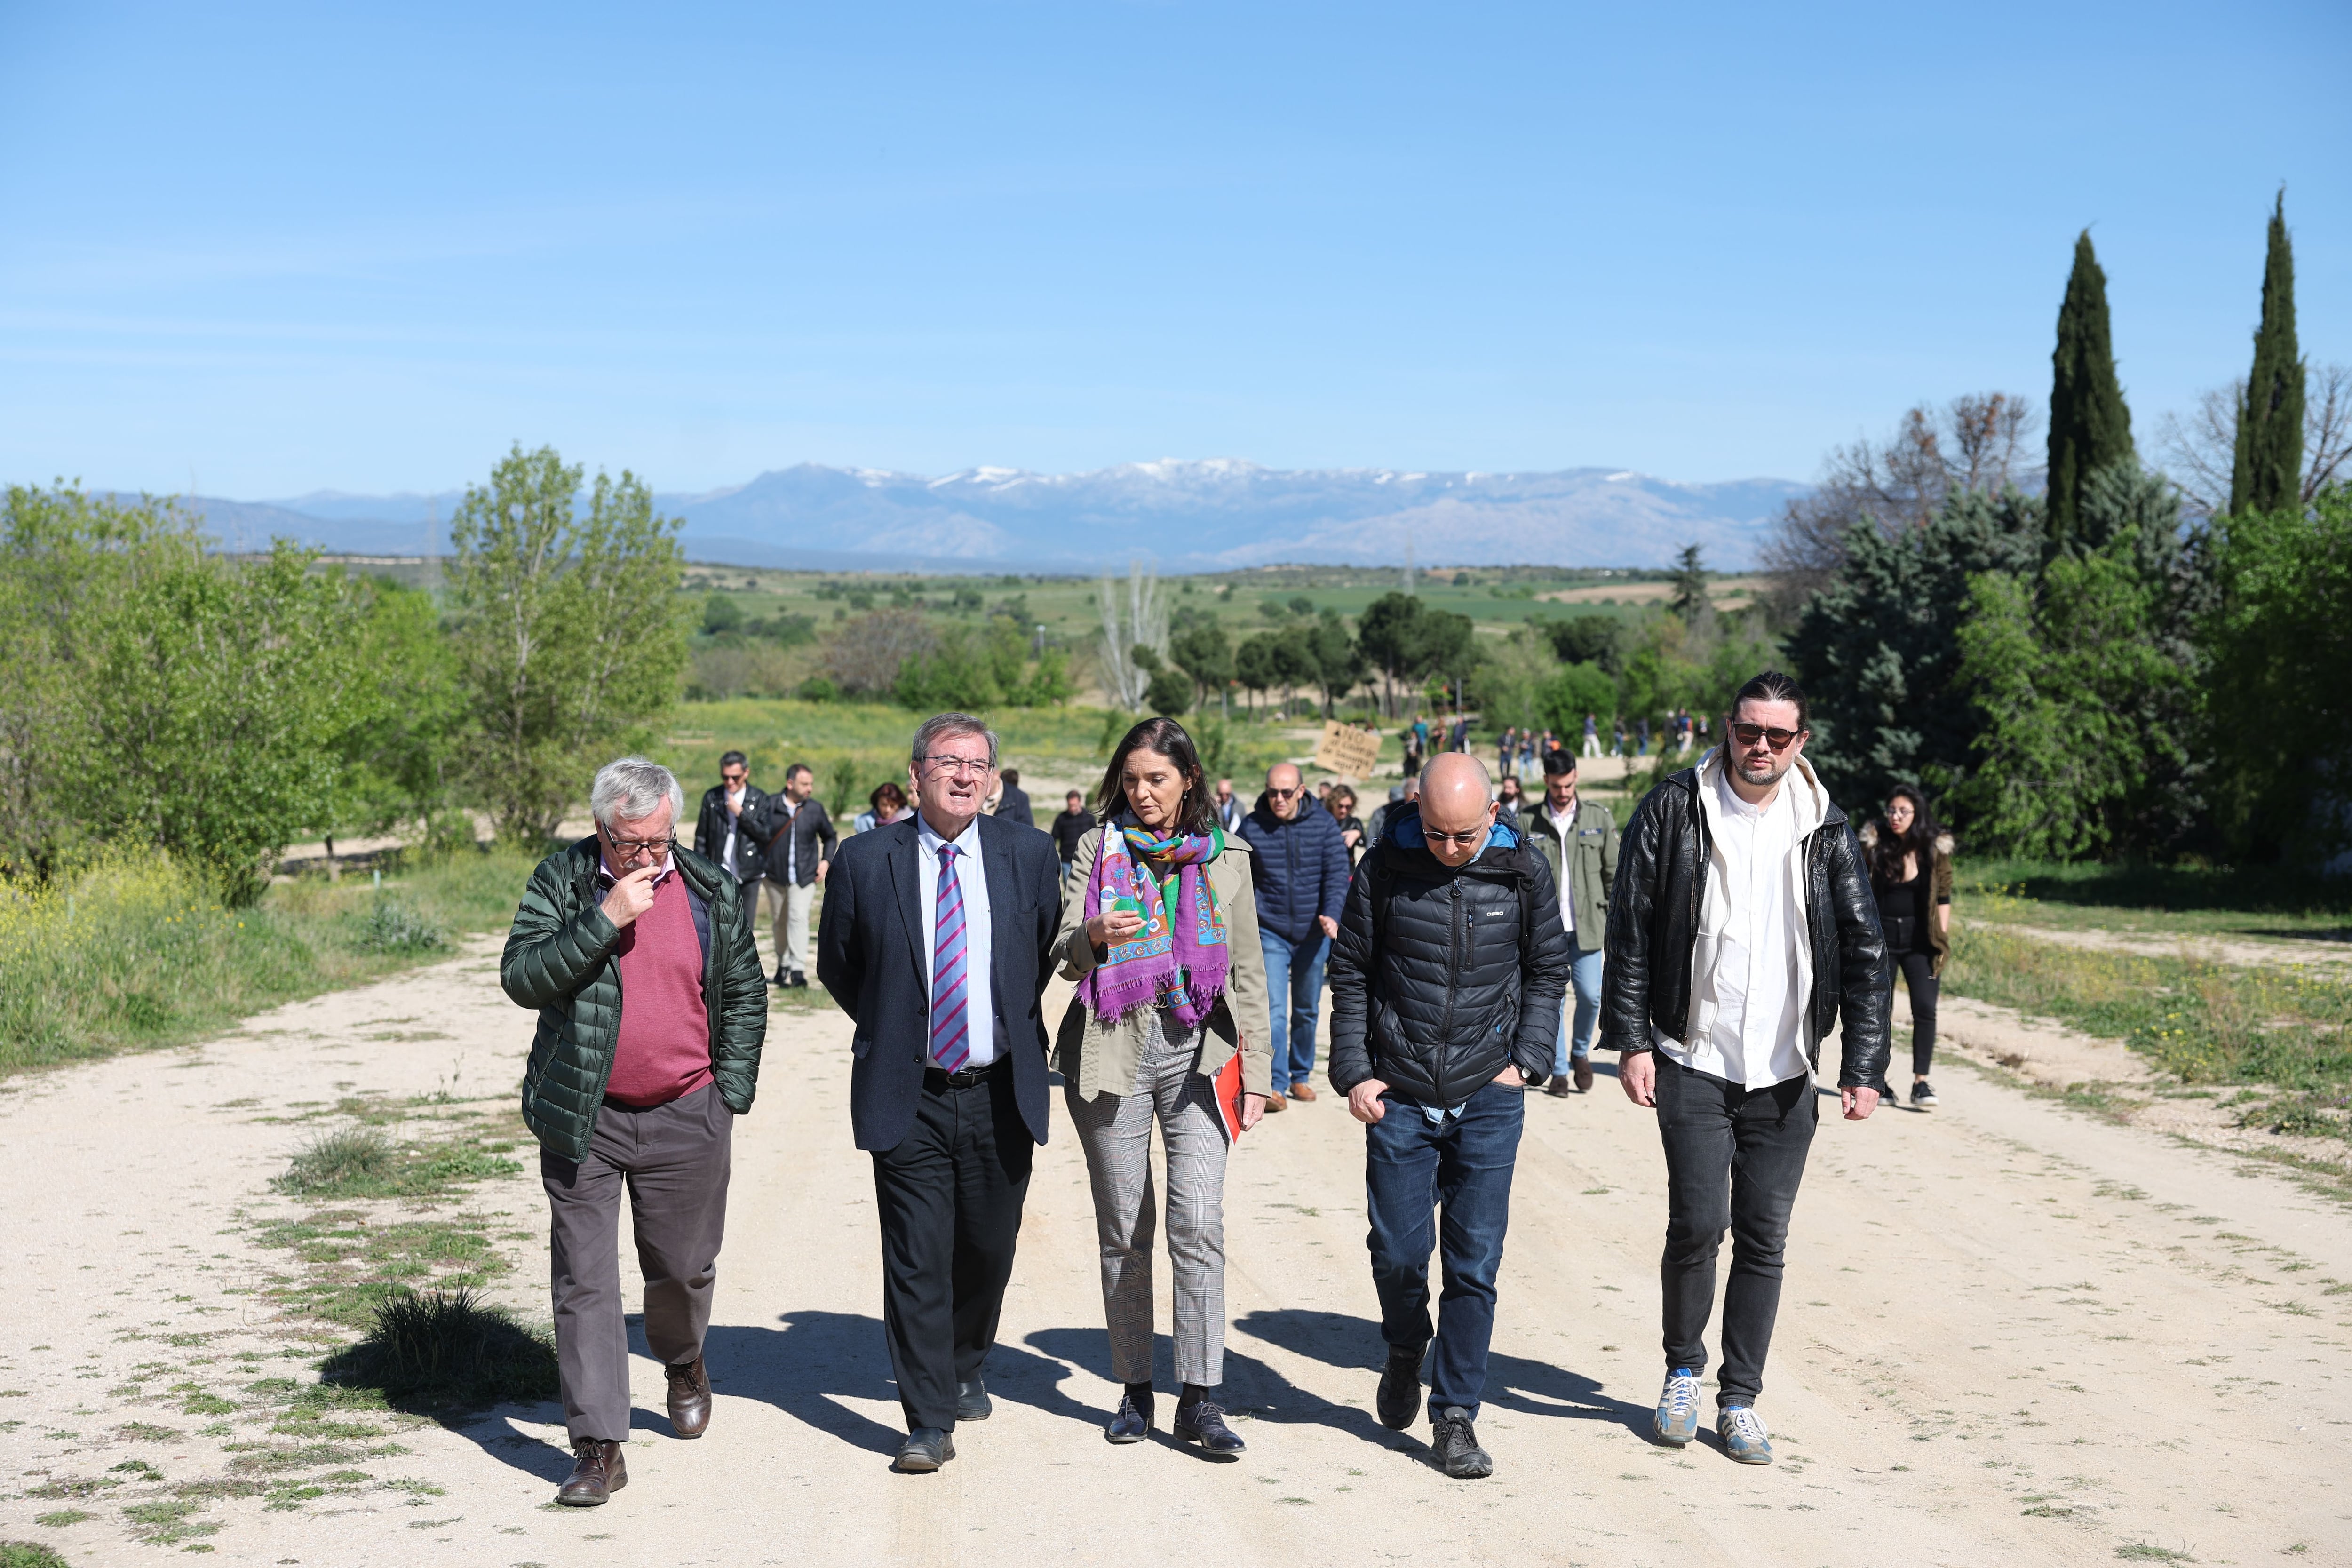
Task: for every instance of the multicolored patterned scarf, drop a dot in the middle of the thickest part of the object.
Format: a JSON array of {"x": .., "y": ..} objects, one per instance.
[{"x": 1178, "y": 963}]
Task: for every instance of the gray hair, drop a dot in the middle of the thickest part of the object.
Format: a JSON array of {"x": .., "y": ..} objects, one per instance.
[
  {"x": 940, "y": 726},
  {"x": 632, "y": 789}
]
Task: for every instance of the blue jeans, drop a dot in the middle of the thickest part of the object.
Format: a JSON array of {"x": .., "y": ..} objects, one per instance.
[
  {"x": 1448, "y": 1189},
  {"x": 1585, "y": 973},
  {"x": 1295, "y": 972}
]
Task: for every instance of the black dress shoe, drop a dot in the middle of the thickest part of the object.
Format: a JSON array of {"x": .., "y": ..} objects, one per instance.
[
  {"x": 1204, "y": 1423},
  {"x": 925, "y": 1450},
  {"x": 972, "y": 1400},
  {"x": 597, "y": 1473},
  {"x": 1399, "y": 1399},
  {"x": 1131, "y": 1423}
]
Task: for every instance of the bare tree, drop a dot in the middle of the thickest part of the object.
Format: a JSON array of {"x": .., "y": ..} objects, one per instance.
[
  {"x": 2200, "y": 450},
  {"x": 1979, "y": 442},
  {"x": 863, "y": 654},
  {"x": 1132, "y": 617}
]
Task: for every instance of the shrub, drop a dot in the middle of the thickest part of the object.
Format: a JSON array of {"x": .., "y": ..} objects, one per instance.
[
  {"x": 342, "y": 1165},
  {"x": 447, "y": 1349},
  {"x": 392, "y": 926}
]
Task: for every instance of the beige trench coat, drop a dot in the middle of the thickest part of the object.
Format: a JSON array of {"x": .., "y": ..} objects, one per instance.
[{"x": 1102, "y": 1057}]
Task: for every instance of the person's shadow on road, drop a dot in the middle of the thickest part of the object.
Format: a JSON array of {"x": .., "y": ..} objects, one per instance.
[{"x": 1513, "y": 1383}]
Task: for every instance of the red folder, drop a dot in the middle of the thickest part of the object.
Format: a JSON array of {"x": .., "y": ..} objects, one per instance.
[{"x": 1228, "y": 1083}]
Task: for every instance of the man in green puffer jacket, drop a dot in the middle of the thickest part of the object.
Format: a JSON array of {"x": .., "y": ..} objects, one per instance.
[{"x": 652, "y": 1010}]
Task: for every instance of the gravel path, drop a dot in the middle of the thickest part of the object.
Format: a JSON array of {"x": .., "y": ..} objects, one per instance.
[{"x": 2010, "y": 1334}]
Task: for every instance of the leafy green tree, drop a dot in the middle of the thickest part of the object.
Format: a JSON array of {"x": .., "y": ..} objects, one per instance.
[
  {"x": 1576, "y": 690},
  {"x": 162, "y": 696},
  {"x": 571, "y": 632},
  {"x": 1200, "y": 650},
  {"x": 1583, "y": 639},
  {"x": 2279, "y": 635},
  {"x": 2266, "y": 472},
  {"x": 722, "y": 614},
  {"x": 1169, "y": 692},
  {"x": 1255, "y": 664},
  {"x": 2090, "y": 427},
  {"x": 1876, "y": 649},
  {"x": 1689, "y": 599},
  {"x": 407, "y": 714},
  {"x": 1335, "y": 663},
  {"x": 2062, "y": 670}
]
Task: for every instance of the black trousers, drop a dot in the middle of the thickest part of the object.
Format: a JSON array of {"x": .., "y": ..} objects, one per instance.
[
  {"x": 950, "y": 1196},
  {"x": 1919, "y": 979},
  {"x": 1734, "y": 1159}
]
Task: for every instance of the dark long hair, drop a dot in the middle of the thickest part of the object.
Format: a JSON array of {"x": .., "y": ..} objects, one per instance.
[
  {"x": 1886, "y": 855},
  {"x": 1195, "y": 813}
]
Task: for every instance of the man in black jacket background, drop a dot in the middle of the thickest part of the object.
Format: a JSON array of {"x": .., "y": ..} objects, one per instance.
[
  {"x": 1741, "y": 925},
  {"x": 797, "y": 837},
  {"x": 1446, "y": 982},
  {"x": 719, "y": 834}
]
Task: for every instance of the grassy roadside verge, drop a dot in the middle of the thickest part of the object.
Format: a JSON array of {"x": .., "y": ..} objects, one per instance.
[
  {"x": 135, "y": 952},
  {"x": 2182, "y": 901},
  {"x": 2277, "y": 1036}
]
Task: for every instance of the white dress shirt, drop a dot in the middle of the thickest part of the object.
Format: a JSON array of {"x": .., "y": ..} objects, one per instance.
[
  {"x": 1750, "y": 962},
  {"x": 727, "y": 856},
  {"x": 979, "y": 939},
  {"x": 1567, "y": 825},
  {"x": 792, "y": 844}
]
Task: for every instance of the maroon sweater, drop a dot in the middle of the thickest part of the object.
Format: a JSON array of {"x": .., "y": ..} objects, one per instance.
[{"x": 664, "y": 1050}]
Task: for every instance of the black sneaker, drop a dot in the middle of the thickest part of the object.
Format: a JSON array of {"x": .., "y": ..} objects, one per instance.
[
  {"x": 1398, "y": 1400},
  {"x": 1455, "y": 1441},
  {"x": 1923, "y": 1097}
]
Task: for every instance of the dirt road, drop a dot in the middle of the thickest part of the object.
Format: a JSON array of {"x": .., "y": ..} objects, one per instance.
[{"x": 2010, "y": 1334}]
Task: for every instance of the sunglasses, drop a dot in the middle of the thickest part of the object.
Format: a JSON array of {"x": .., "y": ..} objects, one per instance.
[{"x": 1749, "y": 734}]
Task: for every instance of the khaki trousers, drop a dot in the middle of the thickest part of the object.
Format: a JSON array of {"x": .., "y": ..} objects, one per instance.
[{"x": 792, "y": 930}]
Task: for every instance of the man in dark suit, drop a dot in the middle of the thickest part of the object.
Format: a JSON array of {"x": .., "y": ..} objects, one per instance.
[
  {"x": 1015, "y": 805},
  {"x": 790, "y": 826},
  {"x": 937, "y": 940},
  {"x": 718, "y": 833}
]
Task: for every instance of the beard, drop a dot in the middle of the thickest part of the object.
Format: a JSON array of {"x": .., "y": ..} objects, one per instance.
[{"x": 1770, "y": 772}]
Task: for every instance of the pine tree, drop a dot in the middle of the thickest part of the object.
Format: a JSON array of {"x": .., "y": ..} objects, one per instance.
[
  {"x": 2267, "y": 475},
  {"x": 2089, "y": 426}
]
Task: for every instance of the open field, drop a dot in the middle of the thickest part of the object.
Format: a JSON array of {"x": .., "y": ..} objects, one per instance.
[
  {"x": 1726, "y": 593},
  {"x": 2013, "y": 1332}
]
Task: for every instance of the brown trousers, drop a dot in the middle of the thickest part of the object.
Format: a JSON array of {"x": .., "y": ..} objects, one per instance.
[{"x": 675, "y": 1160}]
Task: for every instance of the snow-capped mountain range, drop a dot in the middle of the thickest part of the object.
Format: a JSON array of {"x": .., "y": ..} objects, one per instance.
[{"x": 1191, "y": 515}]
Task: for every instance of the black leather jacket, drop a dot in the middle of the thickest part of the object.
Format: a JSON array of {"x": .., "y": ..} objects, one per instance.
[
  {"x": 1442, "y": 974},
  {"x": 1654, "y": 923}
]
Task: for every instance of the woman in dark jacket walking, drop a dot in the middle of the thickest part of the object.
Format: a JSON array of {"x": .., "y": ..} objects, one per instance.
[{"x": 1911, "y": 873}]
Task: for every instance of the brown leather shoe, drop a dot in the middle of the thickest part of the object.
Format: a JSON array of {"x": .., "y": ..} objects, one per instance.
[
  {"x": 1558, "y": 1087},
  {"x": 1304, "y": 1091},
  {"x": 1584, "y": 1066},
  {"x": 596, "y": 1475},
  {"x": 689, "y": 1398},
  {"x": 1275, "y": 1102}
]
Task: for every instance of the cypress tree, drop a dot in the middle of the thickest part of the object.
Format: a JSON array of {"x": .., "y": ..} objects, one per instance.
[
  {"x": 2089, "y": 426},
  {"x": 2267, "y": 473}
]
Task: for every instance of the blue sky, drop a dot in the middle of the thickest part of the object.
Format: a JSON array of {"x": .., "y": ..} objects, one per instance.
[{"x": 265, "y": 251}]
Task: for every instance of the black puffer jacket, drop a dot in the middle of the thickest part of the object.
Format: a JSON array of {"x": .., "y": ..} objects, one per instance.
[
  {"x": 1443, "y": 975},
  {"x": 1653, "y": 922}
]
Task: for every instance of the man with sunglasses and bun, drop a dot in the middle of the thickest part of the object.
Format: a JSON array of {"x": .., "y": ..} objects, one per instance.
[{"x": 1741, "y": 928}]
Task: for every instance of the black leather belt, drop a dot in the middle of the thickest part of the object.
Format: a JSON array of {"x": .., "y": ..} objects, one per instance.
[{"x": 939, "y": 1080}]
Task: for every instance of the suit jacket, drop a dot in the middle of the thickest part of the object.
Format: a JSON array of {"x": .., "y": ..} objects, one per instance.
[
  {"x": 710, "y": 830},
  {"x": 809, "y": 829},
  {"x": 870, "y": 956}
]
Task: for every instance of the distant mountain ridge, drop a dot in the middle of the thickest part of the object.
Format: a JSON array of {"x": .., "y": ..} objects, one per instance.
[{"x": 1206, "y": 515}]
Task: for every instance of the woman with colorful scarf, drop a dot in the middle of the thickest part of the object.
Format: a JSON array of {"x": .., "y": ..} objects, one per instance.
[{"x": 1159, "y": 931}]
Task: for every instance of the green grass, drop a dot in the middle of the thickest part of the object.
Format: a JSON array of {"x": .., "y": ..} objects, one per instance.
[
  {"x": 2272, "y": 902},
  {"x": 31, "y": 1553},
  {"x": 135, "y": 952},
  {"x": 363, "y": 1163},
  {"x": 2282, "y": 1032}
]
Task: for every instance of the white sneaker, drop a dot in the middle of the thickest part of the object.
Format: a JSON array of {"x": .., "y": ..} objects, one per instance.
[{"x": 1742, "y": 1431}]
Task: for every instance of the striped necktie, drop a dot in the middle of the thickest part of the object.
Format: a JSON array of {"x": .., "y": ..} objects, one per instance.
[{"x": 950, "y": 1028}]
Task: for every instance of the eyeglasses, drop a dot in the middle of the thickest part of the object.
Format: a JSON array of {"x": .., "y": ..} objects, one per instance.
[
  {"x": 956, "y": 767},
  {"x": 629, "y": 848},
  {"x": 1749, "y": 734}
]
